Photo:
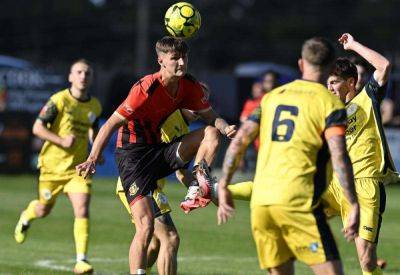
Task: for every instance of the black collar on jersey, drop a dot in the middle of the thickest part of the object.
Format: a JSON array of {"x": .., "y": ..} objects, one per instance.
[{"x": 80, "y": 100}]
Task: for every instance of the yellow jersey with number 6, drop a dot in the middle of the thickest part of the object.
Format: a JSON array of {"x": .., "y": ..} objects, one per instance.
[{"x": 293, "y": 161}]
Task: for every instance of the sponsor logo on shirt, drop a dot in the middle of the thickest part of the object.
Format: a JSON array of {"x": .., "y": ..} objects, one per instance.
[
  {"x": 370, "y": 229},
  {"x": 351, "y": 109}
]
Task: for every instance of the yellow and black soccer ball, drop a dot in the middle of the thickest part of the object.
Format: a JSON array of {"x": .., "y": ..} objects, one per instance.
[{"x": 182, "y": 19}]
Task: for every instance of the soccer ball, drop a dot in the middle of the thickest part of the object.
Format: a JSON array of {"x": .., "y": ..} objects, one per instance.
[{"x": 182, "y": 20}]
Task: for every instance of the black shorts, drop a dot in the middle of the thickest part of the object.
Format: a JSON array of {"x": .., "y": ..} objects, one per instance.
[{"x": 141, "y": 165}]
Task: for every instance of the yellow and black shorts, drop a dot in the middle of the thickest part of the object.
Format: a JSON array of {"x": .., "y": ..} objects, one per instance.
[
  {"x": 371, "y": 196},
  {"x": 159, "y": 199},
  {"x": 49, "y": 190},
  {"x": 281, "y": 234}
]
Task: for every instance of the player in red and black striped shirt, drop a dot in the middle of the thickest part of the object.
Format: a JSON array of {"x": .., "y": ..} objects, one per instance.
[{"x": 141, "y": 157}]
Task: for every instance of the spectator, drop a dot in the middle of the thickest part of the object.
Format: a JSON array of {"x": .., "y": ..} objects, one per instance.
[
  {"x": 389, "y": 109},
  {"x": 268, "y": 82}
]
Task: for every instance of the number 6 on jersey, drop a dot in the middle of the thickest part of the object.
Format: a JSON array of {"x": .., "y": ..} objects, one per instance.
[{"x": 278, "y": 123}]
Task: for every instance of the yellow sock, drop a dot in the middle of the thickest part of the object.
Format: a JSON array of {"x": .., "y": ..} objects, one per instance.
[
  {"x": 241, "y": 190},
  {"x": 30, "y": 212},
  {"x": 81, "y": 234},
  {"x": 376, "y": 271}
]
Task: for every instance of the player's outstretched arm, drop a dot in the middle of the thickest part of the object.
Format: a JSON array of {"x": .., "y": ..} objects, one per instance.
[
  {"x": 101, "y": 140},
  {"x": 343, "y": 168},
  {"x": 245, "y": 135},
  {"x": 41, "y": 131},
  {"x": 379, "y": 62},
  {"x": 93, "y": 132},
  {"x": 212, "y": 118}
]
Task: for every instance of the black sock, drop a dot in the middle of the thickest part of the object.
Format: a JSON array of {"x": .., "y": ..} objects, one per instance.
[
  {"x": 194, "y": 170},
  {"x": 194, "y": 183}
]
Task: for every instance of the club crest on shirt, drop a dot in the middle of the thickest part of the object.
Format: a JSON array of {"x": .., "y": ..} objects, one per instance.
[
  {"x": 92, "y": 117},
  {"x": 351, "y": 109},
  {"x": 133, "y": 189}
]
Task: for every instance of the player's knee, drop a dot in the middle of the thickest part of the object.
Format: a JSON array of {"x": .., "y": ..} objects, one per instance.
[
  {"x": 174, "y": 240},
  {"x": 42, "y": 210},
  {"x": 145, "y": 229},
  {"x": 81, "y": 211},
  {"x": 211, "y": 135},
  {"x": 154, "y": 244}
]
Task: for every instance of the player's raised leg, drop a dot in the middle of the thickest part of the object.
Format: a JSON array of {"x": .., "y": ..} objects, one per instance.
[
  {"x": 241, "y": 190},
  {"x": 34, "y": 211},
  {"x": 202, "y": 143},
  {"x": 40, "y": 208}
]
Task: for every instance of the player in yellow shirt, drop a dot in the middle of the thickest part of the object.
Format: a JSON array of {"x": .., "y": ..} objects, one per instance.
[
  {"x": 298, "y": 122},
  {"x": 367, "y": 146},
  {"x": 66, "y": 123}
]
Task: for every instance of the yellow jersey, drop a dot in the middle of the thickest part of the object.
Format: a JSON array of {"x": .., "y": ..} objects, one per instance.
[
  {"x": 65, "y": 115},
  {"x": 293, "y": 161},
  {"x": 173, "y": 127},
  {"x": 365, "y": 138}
]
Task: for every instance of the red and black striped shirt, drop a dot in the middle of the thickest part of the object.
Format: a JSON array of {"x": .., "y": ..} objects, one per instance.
[{"x": 149, "y": 104}]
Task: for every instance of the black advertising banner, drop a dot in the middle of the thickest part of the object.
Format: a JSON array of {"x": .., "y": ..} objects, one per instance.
[
  {"x": 16, "y": 142},
  {"x": 24, "y": 89}
]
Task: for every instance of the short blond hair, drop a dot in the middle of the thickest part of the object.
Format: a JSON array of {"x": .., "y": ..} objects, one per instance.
[
  {"x": 318, "y": 51},
  {"x": 81, "y": 60}
]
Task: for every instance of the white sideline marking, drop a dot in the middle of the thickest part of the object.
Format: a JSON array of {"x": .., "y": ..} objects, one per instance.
[
  {"x": 51, "y": 265},
  {"x": 59, "y": 265}
]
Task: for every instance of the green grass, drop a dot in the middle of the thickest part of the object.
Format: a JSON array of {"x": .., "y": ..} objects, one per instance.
[{"x": 205, "y": 247}]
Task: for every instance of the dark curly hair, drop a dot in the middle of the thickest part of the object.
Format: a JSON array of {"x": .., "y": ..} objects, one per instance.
[{"x": 345, "y": 69}]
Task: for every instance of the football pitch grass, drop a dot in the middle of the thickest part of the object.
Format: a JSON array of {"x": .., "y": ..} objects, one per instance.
[{"x": 205, "y": 247}]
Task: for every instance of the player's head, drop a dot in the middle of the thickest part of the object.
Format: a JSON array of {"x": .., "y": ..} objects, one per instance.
[
  {"x": 257, "y": 90},
  {"x": 317, "y": 56},
  {"x": 269, "y": 81},
  {"x": 172, "y": 55},
  {"x": 80, "y": 74},
  {"x": 342, "y": 79}
]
